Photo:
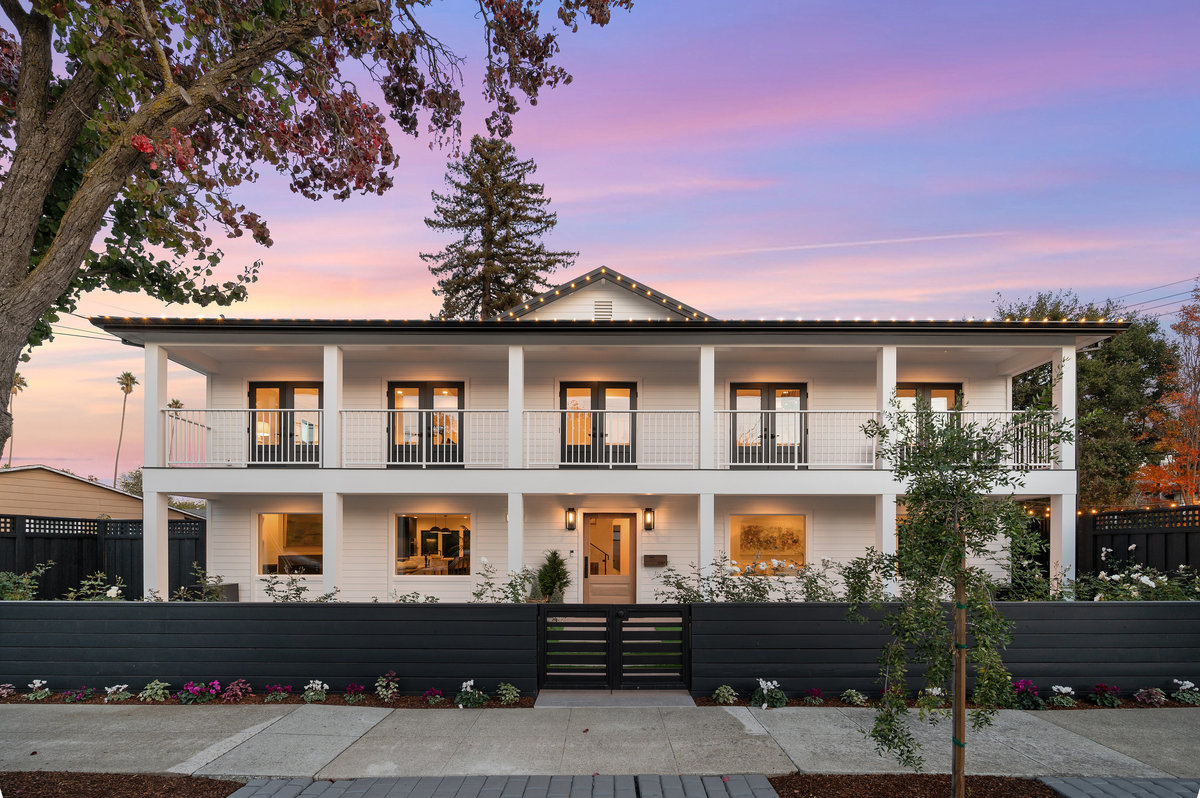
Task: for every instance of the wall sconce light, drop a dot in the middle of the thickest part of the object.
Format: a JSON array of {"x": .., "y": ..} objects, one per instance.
[
  {"x": 570, "y": 519},
  {"x": 648, "y": 519}
]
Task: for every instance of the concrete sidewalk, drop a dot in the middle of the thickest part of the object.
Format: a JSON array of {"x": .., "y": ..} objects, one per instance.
[{"x": 339, "y": 742}]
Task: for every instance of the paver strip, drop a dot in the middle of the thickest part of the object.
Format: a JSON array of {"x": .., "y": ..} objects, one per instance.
[{"x": 1123, "y": 788}]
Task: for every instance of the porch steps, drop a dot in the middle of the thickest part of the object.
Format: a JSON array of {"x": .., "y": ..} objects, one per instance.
[{"x": 613, "y": 698}]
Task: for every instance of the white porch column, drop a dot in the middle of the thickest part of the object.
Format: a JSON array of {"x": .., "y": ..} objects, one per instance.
[
  {"x": 331, "y": 404},
  {"x": 156, "y": 567},
  {"x": 332, "y": 541},
  {"x": 708, "y": 412},
  {"x": 516, "y": 531},
  {"x": 885, "y": 529},
  {"x": 1062, "y": 536},
  {"x": 885, "y": 386},
  {"x": 707, "y": 523},
  {"x": 1065, "y": 399},
  {"x": 516, "y": 407},
  {"x": 155, "y": 383}
]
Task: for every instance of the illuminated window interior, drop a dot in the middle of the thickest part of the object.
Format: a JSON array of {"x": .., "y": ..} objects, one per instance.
[
  {"x": 433, "y": 545},
  {"x": 761, "y": 539},
  {"x": 289, "y": 543}
]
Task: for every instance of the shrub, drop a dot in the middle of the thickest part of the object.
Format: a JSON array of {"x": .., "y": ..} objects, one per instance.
[
  {"x": 1025, "y": 695},
  {"x": 206, "y": 588},
  {"x": 37, "y": 690},
  {"x": 97, "y": 588},
  {"x": 22, "y": 587},
  {"x": 468, "y": 696},
  {"x": 508, "y": 694},
  {"x": 854, "y": 698},
  {"x": 1061, "y": 696},
  {"x": 768, "y": 694},
  {"x": 535, "y": 592},
  {"x": 490, "y": 590},
  {"x": 433, "y": 696},
  {"x": 1150, "y": 696},
  {"x": 77, "y": 695},
  {"x": 236, "y": 691},
  {"x": 725, "y": 695},
  {"x": 118, "y": 692},
  {"x": 387, "y": 687},
  {"x": 277, "y": 693},
  {"x": 1106, "y": 695},
  {"x": 199, "y": 692},
  {"x": 1187, "y": 693},
  {"x": 156, "y": 691},
  {"x": 315, "y": 692},
  {"x": 553, "y": 575},
  {"x": 354, "y": 693},
  {"x": 814, "y": 697},
  {"x": 413, "y": 598},
  {"x": 292, "y": 590}
]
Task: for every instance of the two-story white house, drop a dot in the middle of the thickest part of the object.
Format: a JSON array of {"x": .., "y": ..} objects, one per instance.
[{"x": 604, "y": 419}]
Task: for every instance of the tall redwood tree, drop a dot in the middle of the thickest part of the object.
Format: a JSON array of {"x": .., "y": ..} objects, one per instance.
[{"x": 141, "y": 119}]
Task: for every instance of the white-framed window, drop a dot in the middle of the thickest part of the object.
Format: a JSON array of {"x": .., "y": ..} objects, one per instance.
[
  {"x": 768, "y": 542},
  {"x": 433, "y": 544},
  {"x": 289, "y": 543}
]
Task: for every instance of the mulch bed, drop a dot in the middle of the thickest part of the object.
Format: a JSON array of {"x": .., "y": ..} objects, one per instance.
[
  {"x": 904, "y": 785},
  {"x": 334, "y": 699},
  {"x": 53, "y": 784}
]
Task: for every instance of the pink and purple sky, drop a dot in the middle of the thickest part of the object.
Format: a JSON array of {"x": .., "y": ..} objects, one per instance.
[{"x": 759, "y": 159}]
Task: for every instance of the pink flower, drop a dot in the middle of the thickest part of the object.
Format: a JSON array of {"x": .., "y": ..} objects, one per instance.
[{"x": 141, "y": 144}]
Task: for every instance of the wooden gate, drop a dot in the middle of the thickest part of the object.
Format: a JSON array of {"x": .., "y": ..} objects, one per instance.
[{"x": 614, "y": 646}]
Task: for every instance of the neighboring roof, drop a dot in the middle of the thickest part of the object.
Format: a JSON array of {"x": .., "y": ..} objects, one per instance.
[
  {"x": 605, "y": 274},
  {"x": 76, "y": 477}
]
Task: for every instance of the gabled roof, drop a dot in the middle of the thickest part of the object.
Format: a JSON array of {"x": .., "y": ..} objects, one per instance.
[{"x": 613, "y": 277}]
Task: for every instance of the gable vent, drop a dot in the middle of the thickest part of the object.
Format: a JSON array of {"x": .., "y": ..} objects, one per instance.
[{"x": 602, "y": 309}]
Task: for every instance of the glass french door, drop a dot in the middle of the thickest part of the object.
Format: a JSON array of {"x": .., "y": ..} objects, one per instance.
[
  {"x": 768, "y": 424},
  {"x": 286, "y": 427},
  {"x": 598, "y": 423},
  {"x": 428, "y": 428},
  {"x": 939, "y": 398}
]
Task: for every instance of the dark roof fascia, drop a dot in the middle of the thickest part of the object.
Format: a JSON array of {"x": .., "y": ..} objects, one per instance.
[
  {"x": 119, "y": 325},
  {"x": 603, "y": 273}
]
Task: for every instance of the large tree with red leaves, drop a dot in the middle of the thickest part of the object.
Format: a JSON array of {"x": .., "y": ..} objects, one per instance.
[
  {"x": 141, "y": 119},
  {"x": 1178, "y": 425}
]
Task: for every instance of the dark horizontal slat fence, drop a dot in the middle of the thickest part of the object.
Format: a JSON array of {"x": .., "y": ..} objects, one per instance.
[
  {"x": 1164, "y": 538},
  {"x": 428, "y": 645},
  {"x": 80, "y": 547},
  {"x": 1131, "y": 644}
]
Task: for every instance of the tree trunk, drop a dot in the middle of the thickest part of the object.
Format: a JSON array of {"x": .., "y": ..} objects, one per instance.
[
  {"x": 958, "y": 767},
  {"x": 120, "y": 435}
]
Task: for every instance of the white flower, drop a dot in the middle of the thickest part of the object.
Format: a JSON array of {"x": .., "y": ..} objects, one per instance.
[
  {"x": 1062, "y": 689},
  {"x": 116, "y": 688},
  {"x": 1132, "y": 546},
  {"x": 762, "y": 566},
  {"x": 1145, "y": 580},
  {"x": 733, "y": 562},
  {"x": 483, "y": 560},
  {"x": 934, "y": 691},
  {"x": 317, "y": 684},
  {"x": 113, "y": 592},
  {"x": 748, "y": 569},
  {"x": 776, "y": 563},
  {"x": 37, "y": 684},
  {"x": 1102, "y": 575},
  {"x": 468, "y": 686},
  {"x": 733, "y": 569},
  {"x": 1185, "y": 685}
]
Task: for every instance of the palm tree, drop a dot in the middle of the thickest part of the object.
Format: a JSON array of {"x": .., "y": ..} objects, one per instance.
[
  {"x": 126, "y": 381},
  {"x": 174, "y": 404},
  {"x": 18, "y": 385}
]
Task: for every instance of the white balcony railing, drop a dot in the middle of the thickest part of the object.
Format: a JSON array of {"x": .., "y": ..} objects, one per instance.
[
  {"x": 215, "y": 438},
  {"x": 830, "y": 439},
  {"x": 1030, "y": 442},
  {"x": 612, "y": 438},
  {"x": 424, "y": 438},
  {"x": 794, "y": 439}
]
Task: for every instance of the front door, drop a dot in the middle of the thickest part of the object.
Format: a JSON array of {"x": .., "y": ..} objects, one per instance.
[
  {"x": 609, "y": 546},
  {"x": 598, "y": 427}
]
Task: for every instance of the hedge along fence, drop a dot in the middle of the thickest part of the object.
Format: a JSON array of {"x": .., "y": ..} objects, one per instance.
[
  {"x": 1130, "y": 644},
  {"x": 428, "y": 645}
]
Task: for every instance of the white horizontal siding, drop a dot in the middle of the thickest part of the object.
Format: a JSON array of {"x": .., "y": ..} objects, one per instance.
[{"x": 581, "y": 305}]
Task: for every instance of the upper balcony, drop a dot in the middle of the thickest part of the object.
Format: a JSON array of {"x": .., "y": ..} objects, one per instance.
[{"x": 579, "y": 439}]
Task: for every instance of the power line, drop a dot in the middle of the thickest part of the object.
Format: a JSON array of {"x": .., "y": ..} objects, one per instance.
[
  {"x": 1155, "y": 288},
  {"x": 1160, "y": 298},
  {"x": 89, "y": 337},
  {"x": 1163, "y": 305}
]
